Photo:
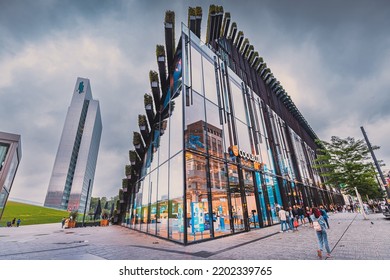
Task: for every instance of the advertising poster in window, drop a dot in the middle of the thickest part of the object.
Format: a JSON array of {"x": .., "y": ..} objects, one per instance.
[
  {"x": 180, "y": 222},
  {"x": 197, "y": 220}
]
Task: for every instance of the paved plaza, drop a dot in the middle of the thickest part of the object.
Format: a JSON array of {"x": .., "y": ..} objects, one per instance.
[{"x": 350, "y": 237}]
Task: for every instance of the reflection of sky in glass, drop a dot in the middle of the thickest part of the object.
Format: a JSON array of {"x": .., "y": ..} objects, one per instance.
[{"x": 195, "y": 112}]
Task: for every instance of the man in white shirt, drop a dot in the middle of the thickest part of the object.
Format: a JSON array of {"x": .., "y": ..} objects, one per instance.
[{"x": 282, "y": 218}]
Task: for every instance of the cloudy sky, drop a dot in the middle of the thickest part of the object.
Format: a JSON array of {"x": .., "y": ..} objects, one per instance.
[{"x": 332, "y": 58}]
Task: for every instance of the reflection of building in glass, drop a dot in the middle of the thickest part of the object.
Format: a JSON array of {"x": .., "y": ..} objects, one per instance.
[
  {"x": 222, "y": 146},
  {"x": 74, "y": 167},
  {"x": 10, "y": 156}
]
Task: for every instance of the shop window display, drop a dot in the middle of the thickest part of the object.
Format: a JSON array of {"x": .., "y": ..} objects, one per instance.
[
  {"x": 198, "y": 216},
  {"x": 219, "y": 196}
]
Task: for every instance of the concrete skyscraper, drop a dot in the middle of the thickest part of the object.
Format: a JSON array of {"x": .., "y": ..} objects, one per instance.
[{"x": 71, "y": 182}]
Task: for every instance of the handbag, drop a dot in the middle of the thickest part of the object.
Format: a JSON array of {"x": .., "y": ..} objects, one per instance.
[
  {"x": 317, "y": 226},
  {"x": 296, "y": 224}
]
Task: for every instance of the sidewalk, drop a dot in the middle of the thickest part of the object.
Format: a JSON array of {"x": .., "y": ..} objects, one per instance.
[{"x": 350, "y": 238}]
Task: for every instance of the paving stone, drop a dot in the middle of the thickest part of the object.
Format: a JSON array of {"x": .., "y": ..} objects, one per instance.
[{"x": 350, "y": 238}]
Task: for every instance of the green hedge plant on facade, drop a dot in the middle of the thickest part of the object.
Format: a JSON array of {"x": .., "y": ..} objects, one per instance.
[
  {"x": 142, "y": 122},
  {"x": 133, "y": 157},
  {"x": 160, "y": 53},
  {"x": 153, "y": 77},
  {"x": 148, "y": 101},
  {"x": 137, "y": 139},
  {"x": 128, "y": 171},
  {"x": 125, "y": 184}
]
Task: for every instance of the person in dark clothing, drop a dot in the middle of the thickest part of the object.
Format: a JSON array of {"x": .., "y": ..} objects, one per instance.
[
  {"x": 308, "y": 214},
  {"x": 301, "y": 215},
  {"x": 295, "y": 211},
  {"x": 13, "y": 222}
]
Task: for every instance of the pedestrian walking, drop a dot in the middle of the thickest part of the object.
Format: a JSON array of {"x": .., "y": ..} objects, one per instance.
[
  {"x": 325, "y": 215},
  {"x": 282, "y": 218},
  {"x": 63, "y": 222},
  {"x": 308, "y": 214},
  {"x": 301, "y": 215},
  {"x": 18, "y": 223},
  {"x": 290, "y": 219},
  {"x": 320, "y": 230},
  {"x": 13, "y": 222},
  {"x": 295, "y": 211}
]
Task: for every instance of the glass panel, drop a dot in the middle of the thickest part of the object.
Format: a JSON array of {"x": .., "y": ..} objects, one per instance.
[
  {"x": 138, "y": 206},
  {"x": 197, "y": 198},
  {"x": 195, "y": 136},
  {"x": 219, "y": 194},
  {"x": 162, "y": 209},
  {"x": 153, "y": 202},
  {"x": 235, "y": 198},
  {"x": 250, "y": 199},
  {"x": 145, "y": 204},
  {"x": 3, "y": 153},
  {"x": 210, "y": 80},
  {"x": 176, "y": 188},
  {"x": 196, "y": 70},
  {"x": 164, "y": 140},
  {"x": 3, "y": 199},
  {"x": 243, "y": 137},
  {"x": 271, "y": 181},
  {"x": 214, "y": 131},
  {"x": 238, "y": 101},
  {"x": 176, "y": 121},
  {"x": 263, "y": 208}
]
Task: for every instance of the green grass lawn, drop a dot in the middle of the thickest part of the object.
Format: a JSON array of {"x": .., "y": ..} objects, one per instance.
[{"x": 31, "y": 214}]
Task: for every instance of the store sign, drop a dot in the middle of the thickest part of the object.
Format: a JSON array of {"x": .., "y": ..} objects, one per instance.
[{"x": 236, "y": 152}]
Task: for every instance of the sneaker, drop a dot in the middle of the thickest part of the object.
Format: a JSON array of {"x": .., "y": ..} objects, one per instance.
[
  {"x": 319, "y": 254},
  {"x": 328, "y": 256}
]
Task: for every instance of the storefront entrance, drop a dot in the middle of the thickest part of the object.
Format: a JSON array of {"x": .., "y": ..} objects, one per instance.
[{"x": 252, "y": 220}]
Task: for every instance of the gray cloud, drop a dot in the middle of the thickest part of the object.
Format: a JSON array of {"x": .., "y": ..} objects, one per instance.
[{"x": 332, "y": 57}]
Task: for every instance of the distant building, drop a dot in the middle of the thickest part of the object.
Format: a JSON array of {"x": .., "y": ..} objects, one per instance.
[
  {"x": 74, "y": 167},
  {"x": 10, "y": 155}
]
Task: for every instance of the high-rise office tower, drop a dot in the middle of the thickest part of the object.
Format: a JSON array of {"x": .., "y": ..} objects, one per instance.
[
  {"x": 10, "y": 155},
  {"x": 71, "y": 182}
]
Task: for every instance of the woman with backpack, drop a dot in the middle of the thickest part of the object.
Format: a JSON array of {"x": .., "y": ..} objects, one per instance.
[{"x": 319, "y": 226}]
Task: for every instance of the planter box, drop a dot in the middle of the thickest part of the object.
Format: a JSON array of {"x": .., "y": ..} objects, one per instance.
[{"x": 70, "y": 224}]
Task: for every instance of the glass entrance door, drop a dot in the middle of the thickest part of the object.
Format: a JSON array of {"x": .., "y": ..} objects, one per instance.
[
  {"x": 250, "y": 197},
  {"x": 237, "y": 216}
]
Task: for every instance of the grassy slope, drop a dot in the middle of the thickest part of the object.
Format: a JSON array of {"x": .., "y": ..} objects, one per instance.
[{"x": 31, "y": 214}]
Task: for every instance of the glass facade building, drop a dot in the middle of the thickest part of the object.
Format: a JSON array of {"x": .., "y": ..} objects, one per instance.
[
  {"x": 10, "y": 156},
  {"x": 219, "y": 156},
  {"x": 71, "y": 182}
]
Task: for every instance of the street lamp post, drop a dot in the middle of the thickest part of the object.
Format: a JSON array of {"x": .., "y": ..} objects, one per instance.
[{"x": 376, "y": 162}]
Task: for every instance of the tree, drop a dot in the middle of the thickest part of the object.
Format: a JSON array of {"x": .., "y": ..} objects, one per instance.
[{"x": 344, "y": 163}]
